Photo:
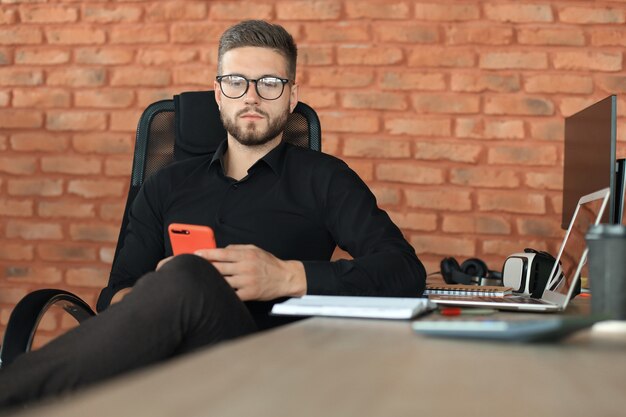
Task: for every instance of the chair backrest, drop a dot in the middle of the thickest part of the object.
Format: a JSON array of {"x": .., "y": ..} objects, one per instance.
[{"x": 189, "y": 125}]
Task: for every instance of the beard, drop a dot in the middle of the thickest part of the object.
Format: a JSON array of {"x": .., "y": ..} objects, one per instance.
[{"x": 250, "y": 134}]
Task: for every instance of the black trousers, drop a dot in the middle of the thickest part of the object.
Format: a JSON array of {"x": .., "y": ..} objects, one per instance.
[{"x": 186, "y": 305}]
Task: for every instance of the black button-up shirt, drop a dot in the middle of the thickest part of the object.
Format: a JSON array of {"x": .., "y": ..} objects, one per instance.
[{"x": 295, "y": 203}]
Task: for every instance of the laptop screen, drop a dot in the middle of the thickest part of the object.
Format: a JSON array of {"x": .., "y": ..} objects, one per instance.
[{"x": 573, "y": 252}]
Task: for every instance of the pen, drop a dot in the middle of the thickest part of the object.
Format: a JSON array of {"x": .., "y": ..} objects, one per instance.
[{"x": 456, "y": 311}]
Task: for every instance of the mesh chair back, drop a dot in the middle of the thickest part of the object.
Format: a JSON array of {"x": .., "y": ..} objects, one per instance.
[{"x": 189, "y": 125}]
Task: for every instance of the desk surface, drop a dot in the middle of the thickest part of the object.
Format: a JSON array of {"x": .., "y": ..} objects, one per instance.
[{"x": 349, "y": 367}]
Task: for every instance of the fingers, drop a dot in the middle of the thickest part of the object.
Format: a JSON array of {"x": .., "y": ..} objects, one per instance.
[{"x": 231, "y": 253}]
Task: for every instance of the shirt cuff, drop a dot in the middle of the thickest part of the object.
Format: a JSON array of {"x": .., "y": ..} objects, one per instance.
[{"x": 320, "y": 277}]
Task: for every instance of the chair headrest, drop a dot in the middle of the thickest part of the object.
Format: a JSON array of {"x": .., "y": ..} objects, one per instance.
[{"x": 199, "y": 129}]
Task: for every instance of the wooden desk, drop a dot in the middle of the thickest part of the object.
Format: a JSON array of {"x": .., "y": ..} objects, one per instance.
[{"x": 347, "y": 367}]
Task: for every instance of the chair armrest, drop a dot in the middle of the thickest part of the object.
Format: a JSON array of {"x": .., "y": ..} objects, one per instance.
[{"x": 26, "y": 315}]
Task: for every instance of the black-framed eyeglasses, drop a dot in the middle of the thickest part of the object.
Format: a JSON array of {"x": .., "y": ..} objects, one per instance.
[{"x": 236, "y": 86}]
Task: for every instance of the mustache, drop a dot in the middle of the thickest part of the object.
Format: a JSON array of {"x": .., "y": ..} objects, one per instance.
[{"x": 251, "y": 110}]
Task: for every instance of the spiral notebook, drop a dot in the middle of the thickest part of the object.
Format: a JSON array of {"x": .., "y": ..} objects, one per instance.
[{"x": 469, "y": 290}]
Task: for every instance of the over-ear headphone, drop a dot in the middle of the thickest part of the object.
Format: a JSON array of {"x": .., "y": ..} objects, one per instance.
[{"x": 472, "y": 271}]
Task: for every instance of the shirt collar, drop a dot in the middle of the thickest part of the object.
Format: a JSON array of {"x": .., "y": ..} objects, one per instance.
[{"x": 273, "y": 158}]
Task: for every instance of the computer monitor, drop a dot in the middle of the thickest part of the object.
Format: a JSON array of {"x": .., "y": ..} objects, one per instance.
[{"x": 590, "y": 160}]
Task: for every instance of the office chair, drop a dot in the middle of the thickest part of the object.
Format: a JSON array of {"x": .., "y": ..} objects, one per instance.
[{"x": 169, "y": 130}]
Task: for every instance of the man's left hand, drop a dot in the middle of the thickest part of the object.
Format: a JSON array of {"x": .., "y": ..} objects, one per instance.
[{"x": 256, "y": 274}]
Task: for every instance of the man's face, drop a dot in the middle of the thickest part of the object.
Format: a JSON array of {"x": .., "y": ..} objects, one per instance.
[{"x": 252, "y": 120}]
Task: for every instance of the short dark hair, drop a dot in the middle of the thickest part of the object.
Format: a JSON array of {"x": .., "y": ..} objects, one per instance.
[{"x": 262, "y": 34}]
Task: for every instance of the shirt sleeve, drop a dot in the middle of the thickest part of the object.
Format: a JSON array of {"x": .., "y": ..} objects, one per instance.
[{"x": 383, "y": 264}]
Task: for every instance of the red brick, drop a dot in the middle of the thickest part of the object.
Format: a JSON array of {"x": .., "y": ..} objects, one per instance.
[
  {"x": 504, "y": 129},
  {"x": 514, "y": 60},
  {"x": 20, "y": 76},
  {"x": 444, "y": 245},
  {"x": 559, "y": 83},
  {"x": 11, "y": 295},
  {"x": 22, "y": 35},
  {"x": 87, "y": 277},
  {"x": 111, "y": 14},
  {"x": 16, "y": 252},
  {"x": 409, "y": 173},
  {"x": 137, "y": 76},
  {"x": 19, "y": 165},
  {"x": 318, "y": 99},
  {"x": 118, "y": 166},
  {"x": 35, "y": 187},
  {"x": 414, "y": 221},
  {"x": 519, "y": 13},
  {"x": 196, "y": 32},
  {"x": 94, "y": 232},
  {"x": 373, "y": 100},
  {"x": 469, "y": 128},
  {"x": 39, "y": 141},
  {"x": 5, "y": 56},
  {"x": 110, "y": 98},
  {"x": 348, "y": 122},
  {"x": 96, "y": 188},
  {"x": 112, "y": 211},
  {"x": 439, "y": 151},
  {"x": 78, "y": 165},
  {"x": 49, "y": 14},
  {"x": 445, "y": 199},
  {"x": 103, "y": 143},
  {"x": 386, "y": 196},
  {"x": 571, "y": 105},
  {"x": 523, "y": 155},
  {"x": 239, "y": 10},
  {"x": 376, "y": 148},
  {"x": 308, "y": 10},
  {"x": 336, "y": 32},
  {"x": 335, "y": 77},
  {"x": 161, "y": 56},
  {"x": 523, "y": 105},
  {"x": 75, "y": 120},
  {"x": 368, "y": 55},
  {"x": 612, "y": 83},
  {"x": 446, "y": 12},
  {"x": 380, "y": 9},
  {"x": 4, "y": 98},
  {"x": 364, "y": 169},
  {"x": 588, "y": 60},
  {"x": 41, "y": 97},
  {"x": 394, "y": 80},
  {"x": 104, "y": 56},
  {"x": 506, "y": 247},
  {"x": 17, "y": 208},
  {"x": 511, "y": 202},
  {"x": 65, "y": 209},
  {"x": 438, "y": 56},
  {"x": 77, "y": 77},
  {"x": 124, "y": 121},
  {"x": 8, "y": 16},
  {"x": 35, "y": 275},
  {"x": 479, "y": 34},
  {"x": 106, "y": 255},
  {"x": 591, "y": 15},
  {"x": 418, "y": 127},
  {"x": 539, "y": 227},
  {"x": 146, "y": 97},
  {"x": 480, "y": 82},
  {"x": 545, "y": 180},
  {"x": 139, "y": 34},
  {"x": 493, "y": 225},
  {"x": 38, "y": 56},
  {"x": 20, "y": 119},
  {"x": 33, "y": 230},
  {"x": 75, "y": 35},
  {"x": 484, "y": 177},
  {"x": 547, "y": 130},
  {"x": 612, "y": 36},
  {"x": 70, "y": 252},
  {"x": 411, "y": 32},
  {"x": 331, "y": 144},
  {"x": 315, "y": 55},
  {"x": 546, "y": 36},
  {"x": 440, "y": 103},
  {"x": 195, "y": 74}
]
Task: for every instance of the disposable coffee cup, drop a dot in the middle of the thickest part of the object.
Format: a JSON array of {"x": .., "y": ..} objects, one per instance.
[{"x": 607, "y": 270}]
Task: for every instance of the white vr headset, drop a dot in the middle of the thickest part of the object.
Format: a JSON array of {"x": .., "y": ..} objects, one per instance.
[{"x": 528, "y": 272}]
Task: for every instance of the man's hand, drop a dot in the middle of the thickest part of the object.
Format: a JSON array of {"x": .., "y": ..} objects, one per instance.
[{"x": 256, "y": 274}]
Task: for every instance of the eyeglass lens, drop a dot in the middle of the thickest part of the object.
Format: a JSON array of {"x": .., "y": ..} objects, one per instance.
[{"x": 268, "y": 88}]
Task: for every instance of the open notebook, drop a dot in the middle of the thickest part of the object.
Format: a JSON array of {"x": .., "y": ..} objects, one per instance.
[{"x": 565, "y": 272}]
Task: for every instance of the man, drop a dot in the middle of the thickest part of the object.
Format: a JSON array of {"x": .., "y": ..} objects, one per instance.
[{"x": 278, "y": 211}]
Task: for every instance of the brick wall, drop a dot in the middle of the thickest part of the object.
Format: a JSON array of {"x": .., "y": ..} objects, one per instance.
[{"x": 452, "y": 111}]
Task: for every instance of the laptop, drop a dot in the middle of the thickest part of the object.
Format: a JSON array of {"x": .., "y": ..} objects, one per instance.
[{"x": 565, "y": 272}]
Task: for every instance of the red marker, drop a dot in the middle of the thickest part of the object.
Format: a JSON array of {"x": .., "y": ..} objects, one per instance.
[{"x": 457, "y": 311}]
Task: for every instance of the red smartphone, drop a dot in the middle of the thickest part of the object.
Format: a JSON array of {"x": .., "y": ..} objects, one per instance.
[{"x": 188, "y": 238}]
